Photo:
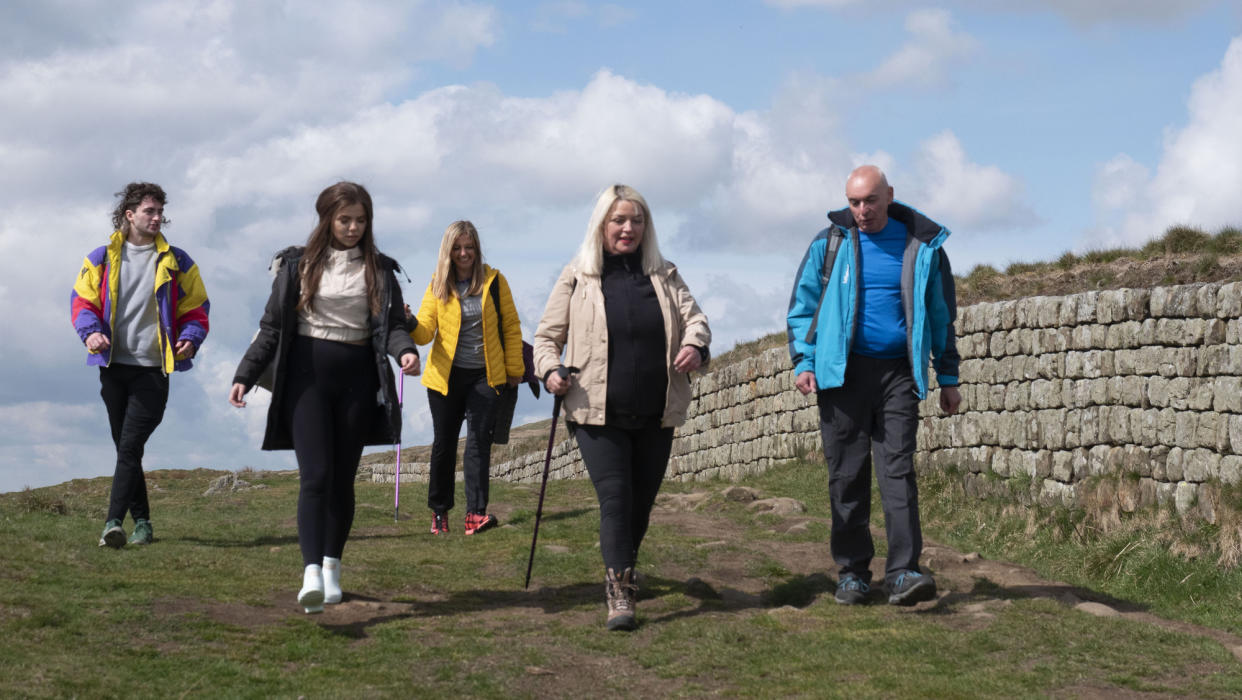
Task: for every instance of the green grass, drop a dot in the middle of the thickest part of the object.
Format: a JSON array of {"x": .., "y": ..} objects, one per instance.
[
  {"x": 1168, "y": 566},
  {"x": 209, "y": 611}
]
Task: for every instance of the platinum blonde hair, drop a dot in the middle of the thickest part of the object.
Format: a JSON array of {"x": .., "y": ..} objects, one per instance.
[{"x": 590, "y": 257}]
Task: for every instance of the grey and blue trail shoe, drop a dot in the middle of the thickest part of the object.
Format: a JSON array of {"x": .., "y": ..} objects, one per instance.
[
  {"x": 911, "y": 587},
  {"x": 852, "y": 590}
]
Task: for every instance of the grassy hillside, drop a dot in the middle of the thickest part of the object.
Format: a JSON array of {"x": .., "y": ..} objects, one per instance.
[{"x": 735, "y": 603}]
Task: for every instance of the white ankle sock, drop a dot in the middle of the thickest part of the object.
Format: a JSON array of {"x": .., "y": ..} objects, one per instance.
[
  {"x": 311, "y": 595},
  {"x": 331, "y": 580}
]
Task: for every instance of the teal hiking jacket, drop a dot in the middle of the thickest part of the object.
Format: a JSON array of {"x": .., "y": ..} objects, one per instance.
[{"x": 823, "y": 313}]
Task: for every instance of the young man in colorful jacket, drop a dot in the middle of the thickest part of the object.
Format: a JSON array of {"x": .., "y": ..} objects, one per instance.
[
  {"x": 140, "y": 308},
  {"x": 872, "y": 303}
]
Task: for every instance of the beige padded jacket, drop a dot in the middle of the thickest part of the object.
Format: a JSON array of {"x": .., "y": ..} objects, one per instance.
[{"x": 574, "y": 321}]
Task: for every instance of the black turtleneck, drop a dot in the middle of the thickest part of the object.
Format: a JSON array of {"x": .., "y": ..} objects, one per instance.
[{"x": 637, "y": 370}]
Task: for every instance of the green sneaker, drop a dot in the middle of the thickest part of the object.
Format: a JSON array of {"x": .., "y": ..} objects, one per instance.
[
  {"x": 142, "y": 532},
  {"x": 113, "y": 535}
]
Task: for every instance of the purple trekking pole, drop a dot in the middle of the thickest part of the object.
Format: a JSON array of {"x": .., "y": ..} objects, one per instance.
[
  {"x": 396, "y": 495},
  {"x": 564, "y": 373}
]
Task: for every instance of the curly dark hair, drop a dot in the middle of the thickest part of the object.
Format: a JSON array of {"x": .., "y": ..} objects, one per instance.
[{"x": 132, "y": 196}]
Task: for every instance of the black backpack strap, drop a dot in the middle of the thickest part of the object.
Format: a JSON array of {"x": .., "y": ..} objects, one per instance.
[{"x": 830, "y": 259}]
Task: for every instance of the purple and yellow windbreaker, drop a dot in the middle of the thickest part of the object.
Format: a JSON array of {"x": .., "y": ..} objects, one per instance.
[{"x": 180, "y": 298}]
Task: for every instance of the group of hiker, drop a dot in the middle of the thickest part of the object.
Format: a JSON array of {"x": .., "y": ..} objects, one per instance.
[{"x": 873, "y": 302}]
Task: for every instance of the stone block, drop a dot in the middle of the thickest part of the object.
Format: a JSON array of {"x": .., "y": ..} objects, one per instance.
[
  {"x": 1213, "y": 332},
  {"x": 1205, "y": 299},
  {"x": 1180, "y": 331},
  {"x": 1175, "y": 464},
  {"x": 1229, "y": 300},
  {"x": 1062, "y": 466},
  {"x": 1231, "y": 469},
  {"x": 1184, "y": 497},
  {"x": 1122, "y": 335},
  {"x": 1185, "y": 433}
]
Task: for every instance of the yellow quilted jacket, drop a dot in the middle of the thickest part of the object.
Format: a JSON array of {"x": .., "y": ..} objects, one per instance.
[{"x": 441, "y": 321}]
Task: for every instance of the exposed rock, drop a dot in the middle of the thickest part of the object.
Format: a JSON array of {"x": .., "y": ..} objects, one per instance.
[
  {"x": 778, "y": 506},
  {"x": 230, "y": 483},
  {"x": 1097, "y": 609},
  {"x": 682, "y": 501},
  {"x": 740, "y": 494}
]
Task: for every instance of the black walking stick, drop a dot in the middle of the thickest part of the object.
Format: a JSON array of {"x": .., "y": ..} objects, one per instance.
[{"x": 564, "y": 373}]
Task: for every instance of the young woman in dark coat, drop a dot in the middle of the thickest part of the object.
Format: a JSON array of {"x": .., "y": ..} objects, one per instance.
[{"x": 334, "y": 316}]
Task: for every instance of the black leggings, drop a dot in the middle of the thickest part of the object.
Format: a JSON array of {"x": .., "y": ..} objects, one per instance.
[
  {"x": 627, "y": 467},
  {"x": 472, "y": 400},
  {"x": 330, "y": 400},
  {"x": 135, "y": 397}
]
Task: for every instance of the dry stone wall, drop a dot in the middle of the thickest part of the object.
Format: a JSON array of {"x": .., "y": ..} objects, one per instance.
[{"x": 1144, "y": 385}]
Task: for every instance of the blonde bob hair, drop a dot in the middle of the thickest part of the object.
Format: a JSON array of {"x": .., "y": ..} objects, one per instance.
[
  {"x": 590, "y": 257},
  {"x": 443, "y": 282}
]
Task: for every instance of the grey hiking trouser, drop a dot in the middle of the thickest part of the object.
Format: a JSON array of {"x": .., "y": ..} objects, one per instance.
[{"x": 873, "y": 415}]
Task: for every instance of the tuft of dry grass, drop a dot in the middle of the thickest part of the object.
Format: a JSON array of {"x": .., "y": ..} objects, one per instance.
[{"x": 41, "y": 501}]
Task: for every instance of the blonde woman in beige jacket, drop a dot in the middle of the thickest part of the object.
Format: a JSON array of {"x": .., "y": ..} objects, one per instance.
[{"x": 623, "y": 317}]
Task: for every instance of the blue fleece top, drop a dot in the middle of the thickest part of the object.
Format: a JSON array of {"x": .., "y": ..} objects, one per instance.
[{"x": 881, "y": 321}]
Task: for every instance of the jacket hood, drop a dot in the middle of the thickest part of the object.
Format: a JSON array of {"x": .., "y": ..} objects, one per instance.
[{"x": 916, "y": 222}]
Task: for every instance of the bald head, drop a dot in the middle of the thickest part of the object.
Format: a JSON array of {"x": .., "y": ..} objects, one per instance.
[{"x": 869, "y": 195}]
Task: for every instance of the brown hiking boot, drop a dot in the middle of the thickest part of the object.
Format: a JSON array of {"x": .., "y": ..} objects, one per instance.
[{"x": 621, "y": 594}]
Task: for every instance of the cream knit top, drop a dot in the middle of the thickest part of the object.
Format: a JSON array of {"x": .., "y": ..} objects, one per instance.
[{"x": 339, "y": 310}]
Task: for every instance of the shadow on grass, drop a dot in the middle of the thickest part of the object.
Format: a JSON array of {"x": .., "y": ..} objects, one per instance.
[
  {"x": 275, "y": 540},
  {"x": 524, "y": 516},
  {"x": 552, "y": 600},
  {"x": 557, "y": 599}
]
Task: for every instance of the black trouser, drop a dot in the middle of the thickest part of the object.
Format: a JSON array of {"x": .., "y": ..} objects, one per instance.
[
  {"x": 135, "y": 397},
  {"x": 627, "y": 467},
  {"x": 330, "y": 402},
  {"x": 470, "y": 399},
  {"x": 875, "y": 413}
]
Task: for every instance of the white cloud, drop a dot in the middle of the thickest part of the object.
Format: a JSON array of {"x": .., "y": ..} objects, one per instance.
[
  {"x": 965, "y": 195},
  {"x": 933, "y": 46},
  {"x": 1107, "y": 11},
  {"x": 1083, "y": 12},
  {"x": 740, "y": 311},
  {"x": 1200, "y": 172},
  {"x": 1119, "y": 183},
  {"x": 243, "y": 120},
  {"x": 556, "y": 17}
]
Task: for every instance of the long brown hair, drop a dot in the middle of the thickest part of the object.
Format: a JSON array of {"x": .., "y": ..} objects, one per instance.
[
  {"x": 445, "y": 275},
  {"x": 330, "y": 201}
]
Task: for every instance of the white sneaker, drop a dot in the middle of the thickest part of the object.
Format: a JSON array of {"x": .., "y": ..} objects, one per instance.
[
  {"x": 311, "y": 595},
  {"x": 331, "y": 580}
]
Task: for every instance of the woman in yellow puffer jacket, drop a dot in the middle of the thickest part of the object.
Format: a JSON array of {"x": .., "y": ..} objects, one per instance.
[{"x": 470, "y": 362}]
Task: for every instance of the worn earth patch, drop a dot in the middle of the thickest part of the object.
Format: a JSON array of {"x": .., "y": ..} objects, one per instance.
[{"x": 972, "y": 591}]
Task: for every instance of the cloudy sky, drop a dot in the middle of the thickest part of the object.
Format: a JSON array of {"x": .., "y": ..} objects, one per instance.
[{"x": 1028, "y": 127}]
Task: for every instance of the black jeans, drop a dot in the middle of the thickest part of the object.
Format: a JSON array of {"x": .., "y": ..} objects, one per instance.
[
  {"x": 470, "y": 399},
  {"x": 874, "y": 414},
  {"x": 135, "y": 397},
  {"x": 329, "y": 402},
  {"x": 627, "y": 467}
]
